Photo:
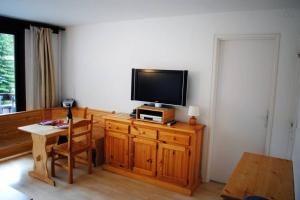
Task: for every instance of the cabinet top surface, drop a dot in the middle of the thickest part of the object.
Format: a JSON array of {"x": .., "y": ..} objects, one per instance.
[{"x": 124, "y": 117}]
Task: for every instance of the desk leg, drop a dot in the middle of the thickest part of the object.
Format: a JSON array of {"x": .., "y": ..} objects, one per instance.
[{"x": 39, "y": 153}]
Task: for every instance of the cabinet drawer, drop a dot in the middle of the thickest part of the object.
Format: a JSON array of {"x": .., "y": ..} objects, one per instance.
[
  {"x": 174, "y": 138},
  {"x": 114, "y": 126},
  {"x": 144, "y": 132}
]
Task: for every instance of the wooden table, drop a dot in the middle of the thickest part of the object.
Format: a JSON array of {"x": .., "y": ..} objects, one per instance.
[
  {"x": 40, "y": 134},
  {"x": 260, "y": 175}
]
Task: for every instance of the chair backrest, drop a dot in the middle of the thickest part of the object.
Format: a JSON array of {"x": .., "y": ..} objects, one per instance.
[{"x": 81, "y": 130}]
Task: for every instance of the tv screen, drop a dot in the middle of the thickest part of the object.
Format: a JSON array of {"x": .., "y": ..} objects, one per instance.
[{"x": 161, "y": 86}]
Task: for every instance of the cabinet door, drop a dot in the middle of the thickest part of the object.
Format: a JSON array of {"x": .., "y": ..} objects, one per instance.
[
  {"x": 144, "y": 156},
  {"x": 173, "y": 163},
  {"x": 116, "y": 149}
]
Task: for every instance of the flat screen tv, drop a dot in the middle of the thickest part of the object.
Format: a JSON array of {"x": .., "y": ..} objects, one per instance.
[{"x": 159, "y": 86}]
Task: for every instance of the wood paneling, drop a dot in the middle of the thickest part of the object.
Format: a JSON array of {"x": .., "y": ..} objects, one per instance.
[{"x": 13, "y": 141}]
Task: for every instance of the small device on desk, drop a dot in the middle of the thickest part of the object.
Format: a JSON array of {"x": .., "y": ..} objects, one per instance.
[{"x": 69, "y": 103}]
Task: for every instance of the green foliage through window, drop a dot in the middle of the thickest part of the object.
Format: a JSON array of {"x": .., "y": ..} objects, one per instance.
[{"x": 7, "y": 63}]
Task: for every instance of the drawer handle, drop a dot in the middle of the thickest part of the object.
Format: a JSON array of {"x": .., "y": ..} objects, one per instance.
[{"x": 175, "y": 138}]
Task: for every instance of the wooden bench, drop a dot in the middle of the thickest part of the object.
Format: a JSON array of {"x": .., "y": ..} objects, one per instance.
[
  {"x": 13, "y": 141},
  {"x": 263, "y": 176}
]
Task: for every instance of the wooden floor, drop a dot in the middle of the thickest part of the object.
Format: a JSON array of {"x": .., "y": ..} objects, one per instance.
[{"x": 100, "y": 185}]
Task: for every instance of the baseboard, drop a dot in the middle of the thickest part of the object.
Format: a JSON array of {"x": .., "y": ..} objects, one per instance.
[{"x": 15, "y": 156}]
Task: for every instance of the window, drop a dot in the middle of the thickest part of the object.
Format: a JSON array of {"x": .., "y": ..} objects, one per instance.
[
  {"x": 7, "y": 73},
  {"x": 12, "y": 70},
  {"x": 12, "y": 83}
]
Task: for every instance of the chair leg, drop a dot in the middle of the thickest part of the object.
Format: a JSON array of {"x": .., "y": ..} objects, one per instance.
[
  {"x": 52, "y": 164},
  {"x": 90, "y": 166},
  {"x": 70, "y": 169}
]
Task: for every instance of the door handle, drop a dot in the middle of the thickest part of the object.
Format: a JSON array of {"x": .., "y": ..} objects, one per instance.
[{"x": 267, "y": 119}]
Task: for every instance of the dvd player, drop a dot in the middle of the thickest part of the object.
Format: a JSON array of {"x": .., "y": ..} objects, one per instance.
[{"x": 151, "y": 117}]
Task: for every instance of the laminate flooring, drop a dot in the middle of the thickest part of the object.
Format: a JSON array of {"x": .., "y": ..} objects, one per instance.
[{"x": 102, "y": 185}]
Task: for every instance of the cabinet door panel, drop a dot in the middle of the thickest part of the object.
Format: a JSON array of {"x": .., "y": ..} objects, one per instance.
[
  {"x": 116, "y": 146},
  {"x": 173, "y": 163},
  {"x": 144, "y": 156}
]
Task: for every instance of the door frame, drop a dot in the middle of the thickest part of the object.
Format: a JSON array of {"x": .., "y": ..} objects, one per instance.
[{"x": 214, "y": 88}]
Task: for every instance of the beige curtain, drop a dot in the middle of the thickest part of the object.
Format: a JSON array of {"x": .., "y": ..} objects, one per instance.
[{"x": 43, "y": 58}]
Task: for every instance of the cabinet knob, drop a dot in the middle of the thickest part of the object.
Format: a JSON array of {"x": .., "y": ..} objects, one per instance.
[{"x": 142, "y": 132}]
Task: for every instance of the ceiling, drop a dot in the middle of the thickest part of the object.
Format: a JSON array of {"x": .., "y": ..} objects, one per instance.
[{"x": 76, "y": 12}]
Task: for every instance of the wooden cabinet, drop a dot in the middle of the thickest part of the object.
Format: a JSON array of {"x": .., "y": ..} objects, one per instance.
[
  {"x": 144, "y": 156},
  {"x": 166, "y": 156},
  {"x": 173, "y": 163},
  {"x": 116, "y": 149}
]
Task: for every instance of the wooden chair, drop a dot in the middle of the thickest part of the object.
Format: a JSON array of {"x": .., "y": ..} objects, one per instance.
[{"x": 79, "y": 141}]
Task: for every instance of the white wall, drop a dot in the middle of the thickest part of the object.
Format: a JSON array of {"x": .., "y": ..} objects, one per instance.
[
  {"x": 97, "y": 60},
  {"x": 296, "y": 160},
  {"x": 296, "y": 152}
]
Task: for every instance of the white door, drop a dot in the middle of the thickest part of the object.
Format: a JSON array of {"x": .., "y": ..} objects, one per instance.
[{"x": 242, "y": 102}]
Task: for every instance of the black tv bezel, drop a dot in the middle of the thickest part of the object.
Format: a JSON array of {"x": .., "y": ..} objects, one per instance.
[{"x": 184, "y": 86}]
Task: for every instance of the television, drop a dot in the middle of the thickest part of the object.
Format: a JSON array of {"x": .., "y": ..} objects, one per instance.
[{"x": 159, "y": 86}]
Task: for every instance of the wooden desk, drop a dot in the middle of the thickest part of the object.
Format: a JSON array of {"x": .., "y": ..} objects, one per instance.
[
  {"x": 260, "y": 175},
  {"x": 40, "y": 134}
]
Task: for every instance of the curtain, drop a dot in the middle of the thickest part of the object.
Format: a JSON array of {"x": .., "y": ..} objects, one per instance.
[
  {"x": 45, "y": 62},
  {"x": 41, "y": 68}
]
